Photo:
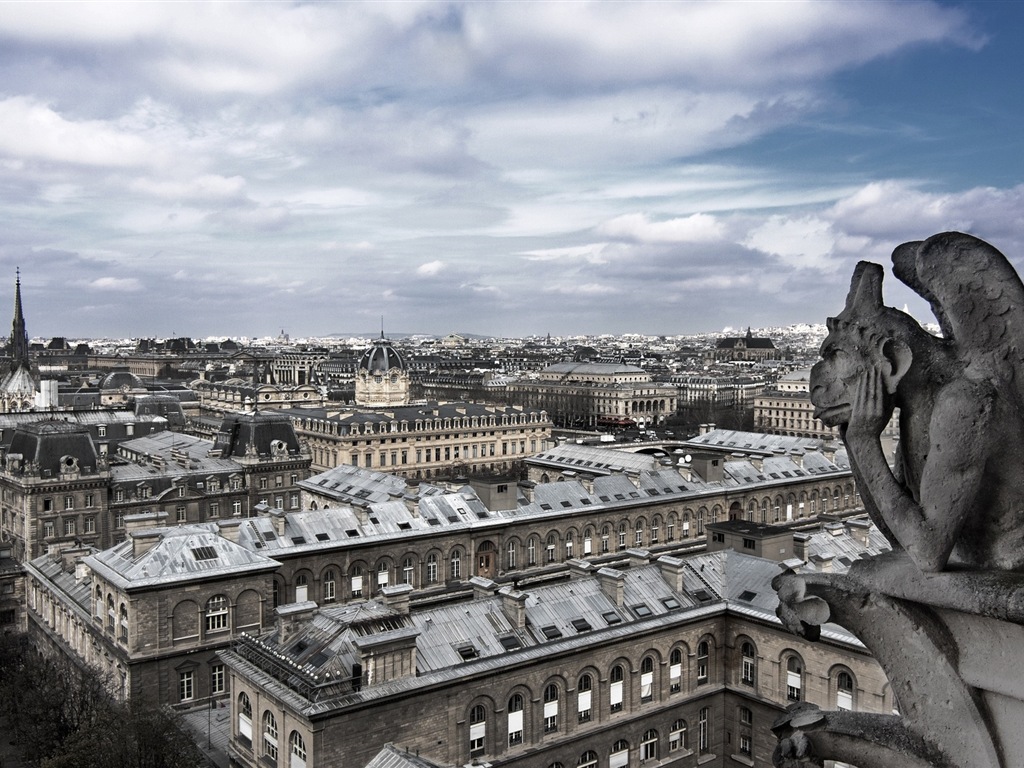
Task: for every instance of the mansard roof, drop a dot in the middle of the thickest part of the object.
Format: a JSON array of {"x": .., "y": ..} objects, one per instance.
[
  {"x": 165, "y": 556},
  {"x": 50, "y": 445}
]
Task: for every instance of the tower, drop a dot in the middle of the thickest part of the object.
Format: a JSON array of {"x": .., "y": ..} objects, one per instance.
[{"x": 19, "y": 336}]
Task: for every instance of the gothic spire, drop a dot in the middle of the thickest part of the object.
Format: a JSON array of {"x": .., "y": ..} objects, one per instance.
[{"x": 19, "y": 336}]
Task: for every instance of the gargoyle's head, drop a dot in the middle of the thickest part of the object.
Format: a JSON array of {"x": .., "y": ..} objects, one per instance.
[{"x": 866, "y": 336}]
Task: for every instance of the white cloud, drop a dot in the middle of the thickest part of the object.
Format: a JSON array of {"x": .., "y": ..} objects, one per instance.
[
  {"x": 591, "y": 253},
  {"x": 30, "y": 129},
  {"x": 430, "y": 269},
  {"x": 698, "y": 228},
  {"x": 802, "y": 242},
  {"x": 117, "y": 284}
]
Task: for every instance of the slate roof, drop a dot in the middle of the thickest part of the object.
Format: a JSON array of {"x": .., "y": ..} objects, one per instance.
[
  {"x": 46, "y": 444},
  {"x": 178, "y": 555},
  {"x": 391, "y": 756}
]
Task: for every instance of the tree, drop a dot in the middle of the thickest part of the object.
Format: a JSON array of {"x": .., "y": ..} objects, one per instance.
[{"x": 61, "y": 714}]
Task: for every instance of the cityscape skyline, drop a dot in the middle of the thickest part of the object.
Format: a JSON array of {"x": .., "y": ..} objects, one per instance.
[{"x": 661, "y": 169}]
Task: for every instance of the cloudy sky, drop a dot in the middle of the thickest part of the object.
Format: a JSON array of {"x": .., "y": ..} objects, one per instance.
[{"x": 502, "y": 168}]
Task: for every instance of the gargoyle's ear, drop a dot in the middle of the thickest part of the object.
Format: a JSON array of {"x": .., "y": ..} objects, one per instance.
[
  {"x": 898, "y": 356},
  {"x": 865, "y": 296}
]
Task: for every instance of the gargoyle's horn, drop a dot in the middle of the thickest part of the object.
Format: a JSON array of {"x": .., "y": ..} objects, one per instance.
[{"x": 865, "y": 296}]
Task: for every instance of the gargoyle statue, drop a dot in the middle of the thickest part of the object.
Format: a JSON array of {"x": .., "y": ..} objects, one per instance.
[{"x": 955, "y": 498}]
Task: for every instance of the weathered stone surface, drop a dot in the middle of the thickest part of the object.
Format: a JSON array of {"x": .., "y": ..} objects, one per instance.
[{"x": 944, "y": 612}]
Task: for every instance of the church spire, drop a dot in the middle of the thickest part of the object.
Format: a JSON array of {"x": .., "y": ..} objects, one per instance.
[{"x": 19, "y": 336}]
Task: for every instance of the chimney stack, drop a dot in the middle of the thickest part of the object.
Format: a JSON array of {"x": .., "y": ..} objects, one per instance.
[{"x": 613, "y": 584}]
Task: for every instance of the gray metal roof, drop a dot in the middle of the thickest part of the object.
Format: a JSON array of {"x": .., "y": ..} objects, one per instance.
[{"x": 178, "y": 555}]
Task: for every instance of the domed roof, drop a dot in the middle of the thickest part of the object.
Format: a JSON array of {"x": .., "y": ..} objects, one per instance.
[
  {"x": 381, "y": 357},
  {"x": 121, "y": 378}
]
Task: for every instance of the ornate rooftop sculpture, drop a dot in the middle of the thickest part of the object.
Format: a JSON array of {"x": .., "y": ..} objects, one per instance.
[{"x": 943, "y": 612}]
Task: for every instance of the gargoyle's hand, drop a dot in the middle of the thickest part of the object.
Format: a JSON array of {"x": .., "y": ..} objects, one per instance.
[
  {"x": 868, "y": 412},
  {"x": 800, "y": 614}
]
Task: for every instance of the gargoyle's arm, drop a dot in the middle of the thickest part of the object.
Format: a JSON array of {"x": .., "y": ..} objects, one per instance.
[{"x": 952, "y": 474}]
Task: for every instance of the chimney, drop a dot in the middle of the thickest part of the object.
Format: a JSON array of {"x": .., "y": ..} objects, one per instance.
[
  {"x": 513, "y": 604},
  {"x": 757, "y": 462},
  {"x": 229, "y": 529},
  {"x": 142, "y": 520},
  {"x": 578, "y": 569},
  {"x": 860, "y": 530},
  {"x": 292, "y": 619},
  {"x": 801, "y": 542},
  {"x": 143, "y": 541},
  {"x": 482, "y": 588},
  {"x": 638, "y": 557},
  {"x": 397, "y": 598},
  {"x": 797, "y": 457},
  {"x": 671, "y": 571},
  {"x": 278, "y": 517},
  {"x": 613, "y": 584},
  {"x": 527, "y": 487},
  {"x": 823, "y": 563}
]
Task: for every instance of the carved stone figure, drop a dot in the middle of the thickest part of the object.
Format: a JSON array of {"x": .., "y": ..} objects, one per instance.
[
  {"x": 944, "y": 612},
  {"x": 956, "y": 495}
]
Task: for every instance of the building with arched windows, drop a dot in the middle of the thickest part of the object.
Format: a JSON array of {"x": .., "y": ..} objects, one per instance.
[{"x": 667, "y": 661}]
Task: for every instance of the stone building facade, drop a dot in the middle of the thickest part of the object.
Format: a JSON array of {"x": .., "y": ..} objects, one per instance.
[
  {"x": 670, "y": 662},
  {"x": 424, "y": 441},
  {"x": 594, "y": 394}
]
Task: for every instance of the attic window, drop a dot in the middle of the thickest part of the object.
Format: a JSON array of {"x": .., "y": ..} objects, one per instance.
[
  {"x": 702, "y": 595},
  {"x": 404, "y": 526},
  {"x": 298, "y": 539},
  {"x": 604, "y": 498},
  {"x": 433, "y": 521},
  {"x": 746, "y": 595},
  {"x": 566, "y": 503},
  {"x": 482, "y": 514},
  {"x": 641, "y": 610},
  {"x": 298, "y": 648},
  {"x": 352, "y": 532},
  {"x": 204, "y": 553},
  {"x": 545, "y": 506},
  {"x": 323, "y": 537},
  {"x": 611, "y": 617},
  {"x": 467, "y": 651},
  {"x": 585, "y": 502},
  {"x": 269, "y": 535},
  {"x": 510, "y": 643},
  {"x": 620, "y": 497},
  {"x": 670, "y": 602},
  {"x": 652, "y": 491},
  {"x": 453, "y": 518},
  {"x": 375, "y": 521},
  {"x": 581, "y": 625},
  {"x": 551, "y": 632}
]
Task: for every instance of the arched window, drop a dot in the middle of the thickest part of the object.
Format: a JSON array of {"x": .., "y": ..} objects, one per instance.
[
  {"x": 615, "y": 693},
  {"x": 584, "y": 698},
  {"x": 245, "y": 717},
  {"x": 703, "y": 730},
  {"x": 587, "y": 760},
  {"x": 568, "y": 545},
  {"x": 296, "y": 751},
  {"x": 407, "y": 571},
  {"x": 646, "y": 679},
  {"x": 270, "y": 735},
  {"x": 477, "y": 729},
  {"x": 99, "y": 603},
  {"x": 844, "y": 690},
  {"x": 515, "y": 719},
  {"x": 747, "y": 663},
  {"x": 383, "y": 574},
  {"x": 604, "y": 539},
  {"x": 619, "y": 757},
  {"x": 622, "y": 536},
  {"x": 638, "y": 534},
  {"x": 301, "y": 588},
  {"x": 677, "y": 736},
  {"x": 356, "y": 580},
  {"x": 111, "y": 615},
  {"x": 702, "y": 662},
  {"x": 588, "y": 541},
  {"x": 550, "y": 549},
  {"x": 216, "y": 613},
  {"x": 124, "y": 623},
  {"x": 455, "y": 571},
  {"x": 531, "y": 552},
  {"x": 675, "y": 671},
  {"x": 330, "y": 586},
  {"x": 649, "y": 745},
  {"x": 551, "y": 708},
  {"x": 794, "y": 679},
  {"x": 510, "y": 558},
  {"x": 432, "y": 568}
]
